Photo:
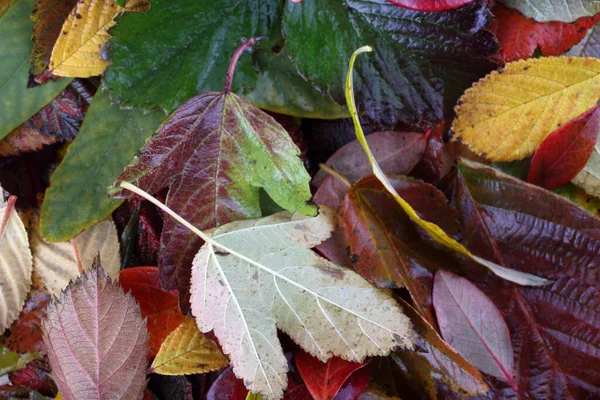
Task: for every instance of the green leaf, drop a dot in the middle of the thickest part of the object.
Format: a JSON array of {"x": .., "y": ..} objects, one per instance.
[
  {"x": 17, "y": 102},
  {"x": 11, "y": 361},
  {"x": 552, "y": 10},
  {"x": 183, "y": 47},
  {"x": 230, "y": 150},
  {"x": 280, "y": 89},
  {"x": 107, "y": 141},
  {"x": 418, "y": 55}
]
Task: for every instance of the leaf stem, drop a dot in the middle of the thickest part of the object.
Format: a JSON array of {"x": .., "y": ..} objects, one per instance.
[{"x": 234, "y": 59}]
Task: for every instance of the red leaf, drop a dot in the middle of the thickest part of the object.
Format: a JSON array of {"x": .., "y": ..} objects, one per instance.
[
  {"x": 433, "y": 164},
  {"x": 227, "y": 387},
  {"x": 356, "y": 384},
  {"x": 565, "y": 151},
  {"x": 96, "y": 340},
  {"x": 520, "y": 36},
  {"x": 158, "y": 306},
  {"x": 26, "y": 331},
  {"x": 35, "y": 376},
  {"x": 472, "y": 325},
  {"x": 430, "y": 5},
  {"x": 324, "y": 380}
]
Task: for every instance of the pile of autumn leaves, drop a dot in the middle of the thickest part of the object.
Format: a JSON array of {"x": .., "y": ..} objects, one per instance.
[{"x": 254, "y": 277}]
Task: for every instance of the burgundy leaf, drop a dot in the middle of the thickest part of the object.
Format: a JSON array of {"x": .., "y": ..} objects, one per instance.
[
  {"x": 433, "y": 165},
  {"x": 472, "y": 325},
  {"x": 96, "y": 340},
  {"x": 227, "y": 387},
  {"x": 355, "y": 385},
  {"x": 324, "y": 380},
  {"x": 430, "y": 5},
  {"x": 26, "y": 332},
  {"x": 565, "y": 151},
  {"x": 34, "y": 377}
]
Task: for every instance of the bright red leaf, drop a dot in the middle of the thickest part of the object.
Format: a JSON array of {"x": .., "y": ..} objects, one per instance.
[
  {"x": 355, "y": 385},
  {"x": 430, "y": 5},
  {"x": 324, "y": 380},
  {"x": 565, "y": 152},
  {"x": 158, "y": 306},
  {"x": 520, "y": 36},
  {"x": 472, "y": 325}
]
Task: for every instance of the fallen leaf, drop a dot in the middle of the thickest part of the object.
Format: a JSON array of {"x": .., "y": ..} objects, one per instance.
[
  {"x": 17, "y": 103},
  {"x": 578, "y": 196},
  {"x": 77, "y": 52},
  {"x": 506, "y": 115},
  {"x": 473, "y": 326},
  {"x": 96, "y": 340},
  {"x": 231, "y": 150},
  {"x": 355, "y": 385},
  {"x": 433, "y": 164},
  {"x": 158, "y": 306},
  {"x": 170, "y": 387},
  {"x": 58, "y": 264},
  {"x": 549, "y": 10},
  {"x": 566, "y": 151},
  {"x": 324, "y": 380},
  {"x": 186, "y": 351},
  {"x": 15, "y": 264},
  {"x": 396, "y": 152},
  {"x": 11, "y": 361},
  {"x": 385, "y": 246},
  {"x": 519, "y": 36},
  {"x": 434, "y": 231},
  {"x": 48, "y": 18},
  {"x": 227, "y": 387},
  {"x": 517, "y": 224},
  {"x": 77, "y": 197},
  {"x": 589, "y": 45},
  {"x": 35, "y": 376},
  {"x": 5, "y": 5},
  {"x": 430, "y": 5},
  {"x": 420, "y": 58}
]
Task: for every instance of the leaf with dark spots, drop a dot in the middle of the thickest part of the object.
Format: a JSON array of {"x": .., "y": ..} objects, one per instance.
[
  {"x": 385, "y": 246},
  {"x": 158, "y": 306},
  {"x": 430, "y": 5},
  {"x": 48, "y": 17},
  {"x": 420, "y": 59},
  {"x": 555, "y": 329},
  {"x": 215, "y": 153},
  {"x": 324, "y": 380},
  {"x": 433, "y": 362},
  {"x": 519, "y": 36},
  {"x": 566, "y": 151}
]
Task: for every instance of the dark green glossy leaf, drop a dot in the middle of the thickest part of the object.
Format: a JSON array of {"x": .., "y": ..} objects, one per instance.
[
  {"x": 417, "y": 55},
  {"x": 17, "y": 102},
  {"x": 183, "y": 47},
  {"x": 107, "y": 141}
]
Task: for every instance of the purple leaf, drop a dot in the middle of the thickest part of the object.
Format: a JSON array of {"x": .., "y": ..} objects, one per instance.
[{"x": 473, "y": 325}]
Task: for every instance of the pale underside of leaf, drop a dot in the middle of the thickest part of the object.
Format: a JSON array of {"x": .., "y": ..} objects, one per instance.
[
  {"x": 96, "y": 340},
  {"x": 589, "y": 177},
  {"x": 554, "y": 10},
  {"x": 262, "y": 276},
  {"x": 57, "y": 264},
  {"x": 506, "y": 115},
  {"x": 15, "y": 266},
  {"x": 187, "y": 351},
  {"x": 84, "y": 33}
]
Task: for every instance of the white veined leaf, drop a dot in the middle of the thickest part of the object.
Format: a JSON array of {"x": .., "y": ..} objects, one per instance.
[
  {"x": 57, "y": 264},
  {"x": 15, "y": 264},
  {"x": 252, "y": 277}
]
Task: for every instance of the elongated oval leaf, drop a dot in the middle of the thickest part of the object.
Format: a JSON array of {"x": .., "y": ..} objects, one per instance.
[
  {"x": 96, "y": 340},
  {"x": 186, "y": 351},
  {"x": 76, "y": 53},
  {"x": 566, "y": 151},
  {"x": 324, "y": 380},
  {"x": 17, "y": 102},
  {"x": 506, "y": 115},
  {"x": 472, "y": 325},
  {"x": 58, "y": 264},
  {"x": 551, "y": 10},
  {"x": 15, "y": 264}
]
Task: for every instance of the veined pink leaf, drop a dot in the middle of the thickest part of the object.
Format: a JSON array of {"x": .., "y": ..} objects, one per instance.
[
  {"x": 96, "y": 340},
  {"x": 473, "y": 325}
]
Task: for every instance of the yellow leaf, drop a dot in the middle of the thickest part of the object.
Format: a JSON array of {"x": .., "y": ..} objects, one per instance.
[
  {"x": 187, "y": 351},
  {"x": 76, "y": 53},
  {"x": 432, "y": 229},
  {"x": 507, "y": 114}
]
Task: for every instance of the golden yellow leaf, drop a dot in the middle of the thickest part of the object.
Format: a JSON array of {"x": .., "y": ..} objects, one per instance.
[
  {"x": 507, "y": 114},
  {"x": 187, "y": 351},
  {"x": 84, "y": 33}
]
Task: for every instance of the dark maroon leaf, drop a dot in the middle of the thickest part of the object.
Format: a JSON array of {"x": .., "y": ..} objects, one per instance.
[
  {"x": 356, "y": 384},
  {"x": 26, "y": 332},
  {"x": 227, "y": 387},
  {"x": 565, "y": 151},
  {"x": 555, "y": 329},
  {"x": 170, "y": 387},
  {"x": 34, "y": 377},
  {"x": 430, "y": 5},
  {"x": 385, "y": 246},
  {"x": 432, "y": 165}
]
